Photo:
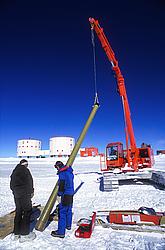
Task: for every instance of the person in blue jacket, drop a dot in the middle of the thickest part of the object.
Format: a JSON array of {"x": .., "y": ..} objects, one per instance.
[{"x": 65, "y": 198}]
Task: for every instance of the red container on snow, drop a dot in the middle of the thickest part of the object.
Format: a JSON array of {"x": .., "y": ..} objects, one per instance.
[{"x": 86, "y": 227}]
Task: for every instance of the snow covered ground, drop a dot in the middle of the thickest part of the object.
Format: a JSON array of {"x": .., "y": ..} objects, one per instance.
[{"x": 87, "y": 199}]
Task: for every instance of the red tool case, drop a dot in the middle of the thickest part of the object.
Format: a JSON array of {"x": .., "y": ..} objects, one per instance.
[{"x": 86, "y": 227}]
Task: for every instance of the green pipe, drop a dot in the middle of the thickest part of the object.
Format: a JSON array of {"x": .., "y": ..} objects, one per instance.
[
  {"x": 40, "y": 226},
  {"x": 41, "y": 223},
  {"x": 81, "y": 137}
]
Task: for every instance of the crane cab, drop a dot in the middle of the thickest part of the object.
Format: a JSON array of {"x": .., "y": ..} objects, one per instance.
[
  {"x": 114, "y": 155},
  {"x": 145, "y": 157}
]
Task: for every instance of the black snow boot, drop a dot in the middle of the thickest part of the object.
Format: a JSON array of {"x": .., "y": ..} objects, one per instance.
[{"x": 56, "y": 234}]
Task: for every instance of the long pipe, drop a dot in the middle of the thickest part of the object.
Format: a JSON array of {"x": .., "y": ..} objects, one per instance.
[{"x": 52, "y": 199}]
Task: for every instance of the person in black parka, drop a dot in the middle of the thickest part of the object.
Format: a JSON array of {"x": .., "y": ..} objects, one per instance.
[{"x": 21, "y": 184}]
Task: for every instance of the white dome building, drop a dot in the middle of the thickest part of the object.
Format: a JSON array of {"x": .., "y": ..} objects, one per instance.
[
  {"x": 28, "y": 148},
  {"x": 61, "y": 146}
]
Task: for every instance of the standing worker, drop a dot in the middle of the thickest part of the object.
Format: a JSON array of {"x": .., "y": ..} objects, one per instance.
[
  {"x": 65, "y": 198},
  {"x": 21, "y": 184}
]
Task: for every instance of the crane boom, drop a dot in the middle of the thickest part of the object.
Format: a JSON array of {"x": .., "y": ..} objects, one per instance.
[{"x": 120, "y": 81}]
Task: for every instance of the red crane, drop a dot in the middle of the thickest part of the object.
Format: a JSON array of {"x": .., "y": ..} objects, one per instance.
[{"x": 116, "y": 156}]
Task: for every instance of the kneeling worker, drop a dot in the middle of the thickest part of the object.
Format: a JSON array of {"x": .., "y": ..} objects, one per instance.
[{"x": 65, "y": 197}]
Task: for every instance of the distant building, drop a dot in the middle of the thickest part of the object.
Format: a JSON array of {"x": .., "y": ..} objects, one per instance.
[
  {"x": 159, "y": 152},
  {"x": 43, "y": 153},
  {"x": 58, "y": 146},
  {"x": 28, "y": 148},
  {"x": 92, "y": 151},
  {"x": 61, "y": 146}
]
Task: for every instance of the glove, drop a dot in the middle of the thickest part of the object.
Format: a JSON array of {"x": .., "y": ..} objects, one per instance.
[
  {"x": 32, "y": 194},
  {"x": 58, "y": 199}
]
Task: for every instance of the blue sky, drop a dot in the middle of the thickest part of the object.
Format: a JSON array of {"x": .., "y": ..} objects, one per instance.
[{"x": 46, "y": 71}]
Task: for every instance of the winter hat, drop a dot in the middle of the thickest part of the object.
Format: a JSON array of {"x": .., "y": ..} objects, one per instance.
[
  {"x": 59, "y": 164},
  {"x": 23, "y": 162}
]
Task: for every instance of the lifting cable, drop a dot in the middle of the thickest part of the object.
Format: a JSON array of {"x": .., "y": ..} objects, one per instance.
[{"x": 94, "y": 66}]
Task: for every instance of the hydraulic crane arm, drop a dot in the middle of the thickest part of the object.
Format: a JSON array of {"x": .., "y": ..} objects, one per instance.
[{"x": 120, "y": 81}]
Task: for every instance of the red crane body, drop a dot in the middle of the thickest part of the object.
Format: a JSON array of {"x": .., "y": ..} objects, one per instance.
[{"x": 134, "y": 157}]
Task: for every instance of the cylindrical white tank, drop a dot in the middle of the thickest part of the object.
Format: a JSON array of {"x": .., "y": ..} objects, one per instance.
[
  {"x": 28, "y": 148},
  {"x": 61, "y": 146}
]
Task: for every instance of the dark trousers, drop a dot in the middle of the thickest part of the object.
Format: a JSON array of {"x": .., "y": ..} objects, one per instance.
[{"x": 22, "y": 216}]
